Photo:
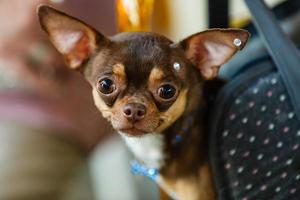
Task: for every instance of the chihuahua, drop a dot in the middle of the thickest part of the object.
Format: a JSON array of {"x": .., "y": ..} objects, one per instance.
[{"x": 151, "y": 91}]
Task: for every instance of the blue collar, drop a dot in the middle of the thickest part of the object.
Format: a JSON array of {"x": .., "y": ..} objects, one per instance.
[{"x": 138, "y": 169}]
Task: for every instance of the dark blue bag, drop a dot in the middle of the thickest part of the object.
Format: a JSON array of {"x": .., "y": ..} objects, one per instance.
[{"x": 254, "y": 126}]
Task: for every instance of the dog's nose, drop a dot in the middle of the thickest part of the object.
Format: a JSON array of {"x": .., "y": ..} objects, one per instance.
[{"x": 134, "y": 111}]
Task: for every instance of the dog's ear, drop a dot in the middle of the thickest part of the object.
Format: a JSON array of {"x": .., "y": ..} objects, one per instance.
[
  {"x": 70, "y": 36},
  {"x": 208, "y": 50}
]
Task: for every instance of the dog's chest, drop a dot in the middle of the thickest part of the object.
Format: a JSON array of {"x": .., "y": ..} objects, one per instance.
[{"x": 148, "y": 149}]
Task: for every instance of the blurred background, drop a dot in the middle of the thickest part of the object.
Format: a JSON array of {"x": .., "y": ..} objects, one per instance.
[{"x": 54, "y": 143}]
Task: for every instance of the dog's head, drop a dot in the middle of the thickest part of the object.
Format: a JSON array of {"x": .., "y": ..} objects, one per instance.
[{"x": 141, "y": 82}]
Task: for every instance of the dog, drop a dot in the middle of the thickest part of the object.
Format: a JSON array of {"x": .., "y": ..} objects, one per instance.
[{"x": 151, "y": 91}]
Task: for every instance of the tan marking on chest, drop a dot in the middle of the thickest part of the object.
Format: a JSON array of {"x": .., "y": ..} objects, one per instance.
[{"x": 198, "y": 187}]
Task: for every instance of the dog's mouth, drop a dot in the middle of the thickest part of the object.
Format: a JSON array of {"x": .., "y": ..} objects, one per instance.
[
  {"x": 133, "y": 131},
  {"x": 137, "y": 130}
]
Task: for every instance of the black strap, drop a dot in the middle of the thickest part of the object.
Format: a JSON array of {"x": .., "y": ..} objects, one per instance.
[
  {"x": 218, "y": 13},
  {"x": 282, "y": 50}
]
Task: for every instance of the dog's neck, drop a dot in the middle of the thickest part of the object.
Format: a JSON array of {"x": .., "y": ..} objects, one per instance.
[{"x": 169, "y": 150}]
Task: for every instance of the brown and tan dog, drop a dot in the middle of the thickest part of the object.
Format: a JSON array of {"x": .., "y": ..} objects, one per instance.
[{"x": 150, "y": 89}]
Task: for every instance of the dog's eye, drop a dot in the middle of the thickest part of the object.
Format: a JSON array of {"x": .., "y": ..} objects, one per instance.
[
  {"x": 106, "y": 86},
  {"x": 166, "y": 91}
]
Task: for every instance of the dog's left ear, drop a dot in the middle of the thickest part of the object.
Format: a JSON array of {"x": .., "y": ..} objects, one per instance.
[{"x": 208, "y": 50}]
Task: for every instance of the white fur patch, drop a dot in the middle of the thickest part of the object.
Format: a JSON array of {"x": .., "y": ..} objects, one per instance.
[{"x": 147, "y": 148}]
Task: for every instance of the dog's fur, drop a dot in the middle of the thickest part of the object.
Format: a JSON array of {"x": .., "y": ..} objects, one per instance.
[{"x": 138, "y": 66}]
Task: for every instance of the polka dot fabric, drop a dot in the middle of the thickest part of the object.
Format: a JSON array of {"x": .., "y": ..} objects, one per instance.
[{"x": 258, "y": 144}]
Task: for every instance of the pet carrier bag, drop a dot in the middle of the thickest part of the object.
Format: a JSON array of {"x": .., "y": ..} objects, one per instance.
[{"x": 254, "y": 126}]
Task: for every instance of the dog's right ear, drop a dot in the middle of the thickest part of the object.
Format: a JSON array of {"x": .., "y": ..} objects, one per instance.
[{"x": 70, "y": 36}]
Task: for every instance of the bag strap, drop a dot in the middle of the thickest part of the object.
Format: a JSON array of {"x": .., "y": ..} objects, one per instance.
[
  {"x": 218, "y": 13},
  {"x": 282, "y": 50}
]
